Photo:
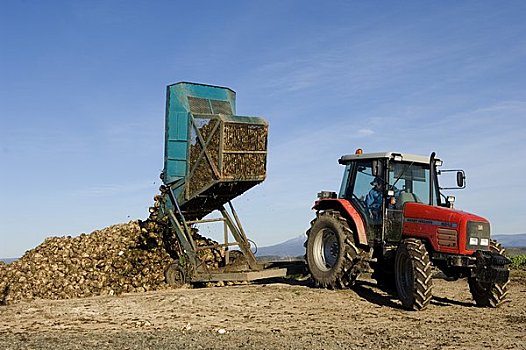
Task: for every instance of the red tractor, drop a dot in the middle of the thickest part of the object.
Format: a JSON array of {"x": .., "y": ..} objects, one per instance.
[{"x": 391, "y": 216}]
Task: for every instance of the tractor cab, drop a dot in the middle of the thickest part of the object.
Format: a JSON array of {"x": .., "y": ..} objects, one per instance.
[{"x": 379, "y": 185}]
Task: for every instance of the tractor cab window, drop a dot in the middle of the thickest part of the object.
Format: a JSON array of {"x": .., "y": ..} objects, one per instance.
[
  {"x": 410, "y": 183},
  {"x": 362, "y": 184},
  {"x": 356, "y": 187},
  {"x": 366, "y": 192},
  {"x": 345, "y": 182}
]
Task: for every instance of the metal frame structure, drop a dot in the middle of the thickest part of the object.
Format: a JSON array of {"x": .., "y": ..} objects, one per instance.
[
  {"x": 198, "y": 271},
  {"x": 212, "y": 156}
]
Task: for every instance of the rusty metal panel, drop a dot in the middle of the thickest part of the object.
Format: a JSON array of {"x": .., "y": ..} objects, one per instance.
[
  {"x": 199, "y": 105},
  {"x": 221, "y": 107},
  {"x": 393, "y": 225}
]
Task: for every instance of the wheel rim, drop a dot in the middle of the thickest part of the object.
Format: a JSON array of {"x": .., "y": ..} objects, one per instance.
[
  {"x": 174, "y": 275},
  {"x": 326, "y": 250}
]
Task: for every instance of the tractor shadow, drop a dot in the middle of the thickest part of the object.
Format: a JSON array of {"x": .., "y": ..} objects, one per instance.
[
  {"x": 370, "y": 292},
  {"x": 301, "y": 280},
  {"x": 366, "y": 289},
  {"x": 441, "y": 301}
]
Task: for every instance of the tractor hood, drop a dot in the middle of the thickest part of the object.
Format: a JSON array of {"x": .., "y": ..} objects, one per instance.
[{"x": 448, "y": 230}]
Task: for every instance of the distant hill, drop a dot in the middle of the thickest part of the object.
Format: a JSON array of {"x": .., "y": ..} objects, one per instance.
[
  {"x": 512, "y": 240},
  {"x": 294, "y": 247},
  {"x": 291, "y": 248}
]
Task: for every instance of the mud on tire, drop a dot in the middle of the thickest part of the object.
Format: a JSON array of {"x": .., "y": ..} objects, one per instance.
[
  {"x": 413, "y": 274},
  {"x": 331, "y": 253},
  {"x": 489, "y": 294}
]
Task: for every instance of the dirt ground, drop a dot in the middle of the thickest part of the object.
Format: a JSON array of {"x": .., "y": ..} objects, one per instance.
[{"x": 267, "y": 316}]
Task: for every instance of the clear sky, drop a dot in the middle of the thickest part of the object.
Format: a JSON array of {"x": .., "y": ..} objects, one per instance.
[{"x": 82, "y": 98}]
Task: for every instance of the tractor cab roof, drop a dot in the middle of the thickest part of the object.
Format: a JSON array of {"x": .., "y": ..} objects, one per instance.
[{"x": 383, "y": 155}]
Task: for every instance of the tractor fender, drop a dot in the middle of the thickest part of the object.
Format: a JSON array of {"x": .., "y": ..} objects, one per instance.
[{"x": 348, "y": 211}]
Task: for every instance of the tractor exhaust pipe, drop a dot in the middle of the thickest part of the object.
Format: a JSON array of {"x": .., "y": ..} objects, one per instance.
[{"x": 431, "y": 176}]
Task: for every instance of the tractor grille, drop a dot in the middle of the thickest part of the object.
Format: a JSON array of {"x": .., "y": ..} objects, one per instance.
[
  {"x": 447, "y": 237},
  {"x": 479, "y": 231}
]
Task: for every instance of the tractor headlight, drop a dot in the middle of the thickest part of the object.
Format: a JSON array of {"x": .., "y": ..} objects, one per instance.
[{"x": 478, "y": 234}]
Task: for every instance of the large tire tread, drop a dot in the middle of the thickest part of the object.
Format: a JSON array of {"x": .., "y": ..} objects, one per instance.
[
  {"x": 492, "y": 295},
  {"x": 422, "y": 287},
  {"x": 345, "y": 273}
]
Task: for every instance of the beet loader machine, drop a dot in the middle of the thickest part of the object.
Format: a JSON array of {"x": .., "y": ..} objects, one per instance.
[
  {"x": 390, "y": 216},
  {"x": 211, "y": 156}
]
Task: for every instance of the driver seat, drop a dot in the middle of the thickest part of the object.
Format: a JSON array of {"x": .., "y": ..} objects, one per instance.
[{"x": 405, "y": 197}]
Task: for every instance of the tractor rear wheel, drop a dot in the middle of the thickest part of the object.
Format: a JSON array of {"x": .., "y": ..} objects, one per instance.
[
  {"x": 413, "y": 274},
  {"x": 489, "y": 294},
  {"x": 331, "y": 253}
]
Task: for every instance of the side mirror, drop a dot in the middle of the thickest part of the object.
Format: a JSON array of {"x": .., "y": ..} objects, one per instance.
[{"x": 461, "y": 179}]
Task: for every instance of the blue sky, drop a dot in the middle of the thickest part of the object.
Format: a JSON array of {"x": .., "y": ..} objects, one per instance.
[{"x": 82, "y": 96}]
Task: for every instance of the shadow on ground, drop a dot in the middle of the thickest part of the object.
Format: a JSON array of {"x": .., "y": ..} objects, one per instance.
[
  {"x": 370, "y": 292},
  {"x": 440, "y": 301}
]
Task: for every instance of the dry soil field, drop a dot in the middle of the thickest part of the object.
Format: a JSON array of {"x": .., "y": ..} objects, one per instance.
[{"x": 267, "y": 316}]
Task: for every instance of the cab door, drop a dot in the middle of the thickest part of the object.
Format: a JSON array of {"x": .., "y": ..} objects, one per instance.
[
  {"x": 362, "y": 174},
  {"x": 410, "y": 182}
]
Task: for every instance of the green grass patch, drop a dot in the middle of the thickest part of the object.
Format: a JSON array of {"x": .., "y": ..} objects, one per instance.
[{"x": 518, "y": 262}]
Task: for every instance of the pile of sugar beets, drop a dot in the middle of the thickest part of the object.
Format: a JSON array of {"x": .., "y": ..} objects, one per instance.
[{"x": 122, "y": 258}]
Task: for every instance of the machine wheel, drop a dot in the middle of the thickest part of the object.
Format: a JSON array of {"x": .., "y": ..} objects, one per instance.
[
  {"x": 413, "y": 274},
  {"x": 175, "y": 275},
  {"x": 331, "y": 253},
  {"x": 489, "y": 294}
]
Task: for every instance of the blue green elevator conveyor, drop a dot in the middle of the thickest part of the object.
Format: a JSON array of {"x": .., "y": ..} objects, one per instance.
[{"x": 211, "y": 155}]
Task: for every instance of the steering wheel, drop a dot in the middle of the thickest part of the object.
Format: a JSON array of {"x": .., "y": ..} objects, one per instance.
[{"x": 361, "y": 203}]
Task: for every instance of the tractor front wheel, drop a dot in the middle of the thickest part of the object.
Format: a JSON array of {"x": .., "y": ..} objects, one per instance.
[
  {"x": 489, "y": 294},
  {"x": 413, "y": 275},
  {"x": 331, "y": 253}
]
